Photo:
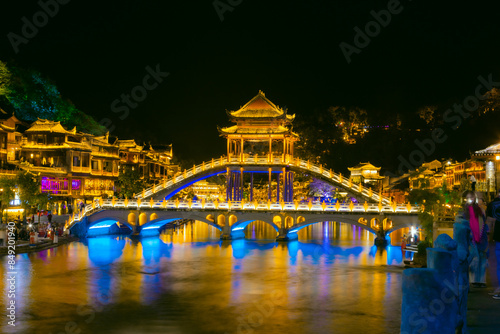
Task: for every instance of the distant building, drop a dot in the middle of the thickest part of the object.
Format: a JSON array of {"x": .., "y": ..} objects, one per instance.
[
  {"x": 366, "y": 173},
  {"x": 209, "y": 191},
  {"x": 76, "y": 166},
  {"x": 10, "y": 137},
  {"x": 490, "y": 156}
]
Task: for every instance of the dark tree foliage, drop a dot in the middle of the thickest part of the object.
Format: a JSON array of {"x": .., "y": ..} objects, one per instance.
[
  {"x": 32, "y": 96},
  {"x": 129, "y": 182},
  {"x": 29, "y": 191}
]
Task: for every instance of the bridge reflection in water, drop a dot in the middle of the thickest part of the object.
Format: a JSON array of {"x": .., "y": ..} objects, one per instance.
[{"x": 188, "y": 281}]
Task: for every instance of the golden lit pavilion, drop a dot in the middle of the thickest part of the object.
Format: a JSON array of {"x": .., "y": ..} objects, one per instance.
[
  {"x": 261, "y": 128},
  {"x": 365, "y": 172}
]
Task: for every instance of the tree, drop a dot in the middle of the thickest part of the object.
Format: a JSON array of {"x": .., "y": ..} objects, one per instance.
[
  {"x": 427, "y": 114},
  {"x": 349, "y": 120},
  {"x": 7, "y": 191},
  {"x": 33, "y": 96},
  {"x": 319, "y": 188},
  {"x": 491, "y": 101},
  {"x": 431, "y": 201},
  {"x": 5, "y": 77},
  {"x": 29, "y": 191},
  {"x": 130, "y": 182}
]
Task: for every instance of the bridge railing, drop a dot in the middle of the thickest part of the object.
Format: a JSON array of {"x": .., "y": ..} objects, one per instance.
[
  {"x": 243, "y": 205},
  {"x": 86, "y": 211},
  {"x": 266, "y": 160}
]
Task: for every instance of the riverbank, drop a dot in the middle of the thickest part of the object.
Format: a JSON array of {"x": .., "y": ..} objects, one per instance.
[{"x": 23, "y": 246}]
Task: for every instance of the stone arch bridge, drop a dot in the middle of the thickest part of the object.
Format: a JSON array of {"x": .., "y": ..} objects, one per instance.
[{"x": 148, "y": 217}]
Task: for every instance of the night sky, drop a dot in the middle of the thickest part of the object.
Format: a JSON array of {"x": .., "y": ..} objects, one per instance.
[{"x": 430, "y": 53}]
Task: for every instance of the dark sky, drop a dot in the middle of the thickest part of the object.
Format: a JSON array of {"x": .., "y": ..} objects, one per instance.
[{"x": 430, "y": 53}]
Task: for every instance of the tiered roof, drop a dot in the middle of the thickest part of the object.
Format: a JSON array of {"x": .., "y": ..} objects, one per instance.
[
  {"x": 129, "y": 144},
  {"x": 44, "y": 125},
  {"x": 260, "y": 107},
  {"x": 259, "y": 116},
  {"x": 492, "y": 149},
  {"x": 364, "y": 166}
]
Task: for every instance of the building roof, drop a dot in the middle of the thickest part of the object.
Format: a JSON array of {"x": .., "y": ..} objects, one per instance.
[
  {"x": 129, "y": 144},
  {"x": 256, "y": 130},
  {"x": 44, "y": 125},
  {"x": 364, "y": 165},
  {"x": 435, "y": 164},
  {"x": 260, "y": 107},
  {"x": 6, "y": 128},
  {"x": 492, "y": 149}
]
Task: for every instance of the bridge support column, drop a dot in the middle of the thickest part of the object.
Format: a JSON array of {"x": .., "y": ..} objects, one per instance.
[
  {"x": 226, "y": 232},
  {"x": 381, "y": 239},
  {"x": 136, "y": 229},
  {"x": 284, "y": 235}
]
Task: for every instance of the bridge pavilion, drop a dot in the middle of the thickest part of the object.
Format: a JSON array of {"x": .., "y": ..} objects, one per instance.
[{"x": 261, "y": 130}]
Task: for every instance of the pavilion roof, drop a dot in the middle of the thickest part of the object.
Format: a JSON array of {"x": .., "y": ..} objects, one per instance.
[
  {"x": 129, "y": 144},
  {"x": 44, "y": 125},
  {"x": 260, "y": 107},
  {"x": 492, "y": 149},
  {"x": 364, "y": 165},
  {"x": 256, "y": 130}
]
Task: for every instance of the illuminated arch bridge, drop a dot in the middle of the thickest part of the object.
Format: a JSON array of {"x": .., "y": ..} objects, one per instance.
[
  {"x": 148, "y": 217},
  {"x": 245, "y": 163}
]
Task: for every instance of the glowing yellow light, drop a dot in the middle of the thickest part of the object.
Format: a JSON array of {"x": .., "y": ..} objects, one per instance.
[
  {"x": 497, "y": 157},
  {"x": 14, "y": 210}
]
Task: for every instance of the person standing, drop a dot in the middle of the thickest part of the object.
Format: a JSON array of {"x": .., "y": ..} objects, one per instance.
[
  {"x": 473, "y": 182},
  {"x": 493, "y": 213},
  {"x": 479, "y": 247}
]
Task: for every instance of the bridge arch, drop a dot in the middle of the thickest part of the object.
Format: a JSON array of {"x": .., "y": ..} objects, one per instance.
[
  {"x": 240, "y": 225},
  {"x": 160, "y": 222},
  {"x": 105, "y": 226},
  {"x": 219, "y": 166},
  {"x": 314, "y": 220}
]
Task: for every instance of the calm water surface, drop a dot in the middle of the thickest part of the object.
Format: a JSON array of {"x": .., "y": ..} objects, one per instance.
[{"x": 332, "y": 280}]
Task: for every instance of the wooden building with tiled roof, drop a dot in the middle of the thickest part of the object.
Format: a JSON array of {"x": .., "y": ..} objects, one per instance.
[{"x": 261, "y": 128}]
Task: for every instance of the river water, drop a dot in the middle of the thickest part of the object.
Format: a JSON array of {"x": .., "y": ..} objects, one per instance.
[{"x": 332, "y": 280}]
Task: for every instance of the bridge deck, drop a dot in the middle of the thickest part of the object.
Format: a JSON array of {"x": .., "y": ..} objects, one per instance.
[
  {"x": 296, "y": 207},
  {"x": 269, "y": 161}
]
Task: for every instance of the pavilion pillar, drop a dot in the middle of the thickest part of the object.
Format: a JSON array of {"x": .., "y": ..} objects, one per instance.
[
  {"x": 278, "y": 187},
  {"x": 228, "y": 149},
  {"x": 241, "y": 183},
  {"x": 235, "y": 187},
  {"x": 251, "y": 187},
  {"x": 270, "y": 148},
  {"x": 269, "y": 185},
  {"x": 285, "y": 197},
  {"x": 228, "y": 185},
  {"x": 286, "y": 179},
  {"x": 284, "y": 150},
  {"x": 241, "y": 153}
]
